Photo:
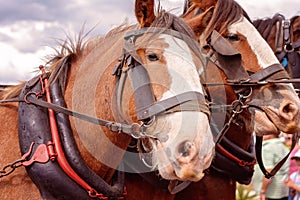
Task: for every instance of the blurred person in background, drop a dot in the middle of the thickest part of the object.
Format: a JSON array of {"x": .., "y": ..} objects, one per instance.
[
  {"x": 294, "y": 179},
  {"x": 273, "y": 150}
]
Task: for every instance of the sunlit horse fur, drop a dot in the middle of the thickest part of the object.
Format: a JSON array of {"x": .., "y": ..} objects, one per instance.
[
  {"x": 233, "y": 23},
  {"x": 89, "y": 88}
]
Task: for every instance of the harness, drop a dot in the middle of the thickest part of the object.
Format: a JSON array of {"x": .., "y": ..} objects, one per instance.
[
  {"x": 34, "y": 102},
  {"x": 55, "y": 165},
  {"x": 285, "y": 48}
]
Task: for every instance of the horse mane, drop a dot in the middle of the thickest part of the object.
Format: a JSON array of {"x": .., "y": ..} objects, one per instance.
[
  {"x": 264, "y": 26},
  {"x": 12, "y": 91},
  {"x": 170, "y": 21},
  {"x": 294, "y": 18}
]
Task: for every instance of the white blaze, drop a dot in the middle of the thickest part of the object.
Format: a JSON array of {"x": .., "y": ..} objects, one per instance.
[{"x": 259, "y": 46}]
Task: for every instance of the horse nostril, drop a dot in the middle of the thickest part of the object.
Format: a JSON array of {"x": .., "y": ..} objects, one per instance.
[
  {"x": 289, "y": 111},
  {"x": 185, "y": 148}
]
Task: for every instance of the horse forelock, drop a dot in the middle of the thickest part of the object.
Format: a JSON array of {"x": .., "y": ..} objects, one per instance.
[
  {"x": 225, "y": 13},
  {"x": 170, "y": 21}
]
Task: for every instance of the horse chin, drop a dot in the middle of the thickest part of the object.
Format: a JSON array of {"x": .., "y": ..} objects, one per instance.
[
  {"x": 191, "y": 171},
  {"x": 171, "y": 173}
]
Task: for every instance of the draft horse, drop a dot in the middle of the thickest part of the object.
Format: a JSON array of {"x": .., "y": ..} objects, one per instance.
[
  {"x": 155, "y": 94},
  {"x": 239, "y": 58},
  {"x": 244, "y": 40},
  {"x": 283, "y": 35}
]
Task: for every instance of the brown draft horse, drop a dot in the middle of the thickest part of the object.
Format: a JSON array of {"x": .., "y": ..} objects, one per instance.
[
  {"x": 283, "y": 35},
  {"x": 155, "y": 94},
  {"x": 232, "y": 23}
]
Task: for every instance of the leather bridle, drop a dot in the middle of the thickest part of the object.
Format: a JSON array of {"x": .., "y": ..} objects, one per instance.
[
  {"x": 283, "y": 42},
  {"x": 147, "y": 107},
  {"x": 226, "y": 58}
]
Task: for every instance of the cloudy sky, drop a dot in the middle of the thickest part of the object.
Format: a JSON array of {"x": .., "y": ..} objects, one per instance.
[{"x": 29, "y": 28}]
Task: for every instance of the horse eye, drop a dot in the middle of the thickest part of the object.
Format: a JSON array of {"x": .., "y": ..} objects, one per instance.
[
  {"x": 152, "y": 57},
  {"x": 233, "y": 37}
]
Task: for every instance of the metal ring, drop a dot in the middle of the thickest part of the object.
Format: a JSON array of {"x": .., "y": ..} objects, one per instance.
[
  {"x": 246, "y": 96},
  {"x": 287, "y": 49},
  {"x": 149, "y": 123},
  {"x": 136, "y": 131},
  {"x": 237, "y": 104},
  {"x": 145, "y": 163}
]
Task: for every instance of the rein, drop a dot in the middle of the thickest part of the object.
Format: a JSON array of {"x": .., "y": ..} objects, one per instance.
[
  {"x": 33, "y": 98},
  {"x": 258, "y": 149}
]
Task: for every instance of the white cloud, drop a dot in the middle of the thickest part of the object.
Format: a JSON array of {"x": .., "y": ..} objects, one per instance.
[
  {"x": 19, "y": 66},
  {"x": 268, "y": 8}
]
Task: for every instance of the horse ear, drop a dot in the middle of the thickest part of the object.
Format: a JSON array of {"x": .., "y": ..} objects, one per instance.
[
  {"x": 144, "y": 12},
  {"x": 200, "y": 22}
]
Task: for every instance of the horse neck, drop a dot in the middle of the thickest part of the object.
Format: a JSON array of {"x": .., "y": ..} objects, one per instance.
[{"x": 90, "y": 90}]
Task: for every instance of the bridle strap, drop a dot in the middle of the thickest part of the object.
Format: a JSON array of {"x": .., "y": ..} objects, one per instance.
[
  {"x": 258, "y": 151},
  {"x": 279, "y": 35},
  {"x": 271, "y": 71},
  {"x": 146, "y": 105},
  {"x": 289, "y": 46},
  {"x": 188, "y": 101}
]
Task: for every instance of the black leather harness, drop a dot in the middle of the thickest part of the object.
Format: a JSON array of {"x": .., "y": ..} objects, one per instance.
[{"x": 286, "y": 48}]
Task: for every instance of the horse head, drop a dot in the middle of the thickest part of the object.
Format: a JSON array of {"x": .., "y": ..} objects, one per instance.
[
  {"x": 171, "y": 103},
  {"x": 229, "y": 33}
]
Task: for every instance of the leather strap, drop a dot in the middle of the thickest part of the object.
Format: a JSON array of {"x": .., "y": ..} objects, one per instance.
[
  {"x": 258, "y": 150},
  {"x": 73, "y": 156}
]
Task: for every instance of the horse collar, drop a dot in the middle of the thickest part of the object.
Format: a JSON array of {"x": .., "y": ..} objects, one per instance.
[{"x": 48, "y": 175}]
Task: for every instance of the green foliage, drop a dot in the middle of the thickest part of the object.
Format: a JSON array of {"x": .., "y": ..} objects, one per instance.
[{"x": 244, "y": 193}]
